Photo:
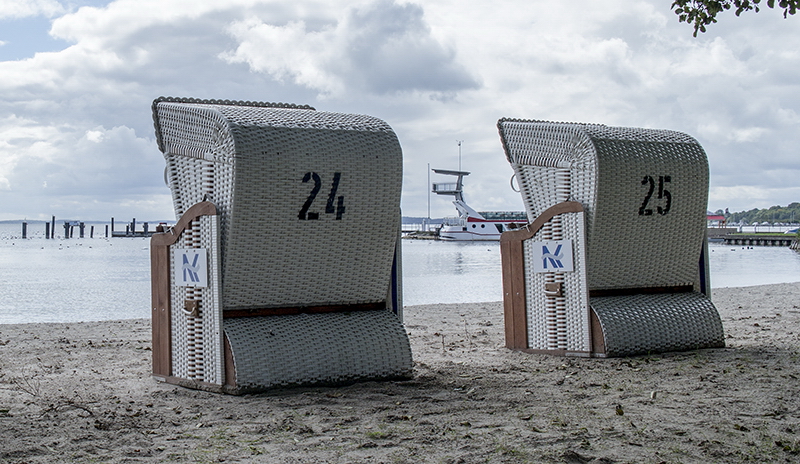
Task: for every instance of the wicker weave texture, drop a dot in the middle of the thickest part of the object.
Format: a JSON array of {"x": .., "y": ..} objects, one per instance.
[
  {"x": 641, "y": 324},
  {"x": 260, "y": 166},
  {"x": 644, "y": 192},
  {"x": 558, "y": 322},
  {"x": 330, "y": 348},
  {"x": 197, "y": 350}
]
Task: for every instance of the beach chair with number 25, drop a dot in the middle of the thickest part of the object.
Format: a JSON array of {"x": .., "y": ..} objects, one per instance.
[
  {"x": 284, "y": 266},
  {"x": 614, "y": 261}
]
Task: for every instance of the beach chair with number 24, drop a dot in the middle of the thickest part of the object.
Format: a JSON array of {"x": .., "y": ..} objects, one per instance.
[{"x": 284, "y": 266}]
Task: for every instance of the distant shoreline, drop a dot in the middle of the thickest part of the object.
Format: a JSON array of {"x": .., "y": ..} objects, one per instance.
[{"x": 62, "y": 220}]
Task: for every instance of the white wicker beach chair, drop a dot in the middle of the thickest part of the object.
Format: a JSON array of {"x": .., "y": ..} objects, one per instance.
[
  {"x": 284, "y": 267},
  {"x": 614, "y": 260}
]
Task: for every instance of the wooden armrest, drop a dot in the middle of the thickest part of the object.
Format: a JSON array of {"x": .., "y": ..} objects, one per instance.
[
  {"x": 529, "y": 230},
  {"x": 204, "y": 208}
]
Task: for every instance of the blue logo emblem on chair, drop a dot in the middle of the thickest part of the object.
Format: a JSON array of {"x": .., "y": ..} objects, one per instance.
[
  {"x": 191, "y": 267},
  {"x": 190, "y": 270},
  {"x": 554, "y": 258},
  {"x": 557, "y": 260}
]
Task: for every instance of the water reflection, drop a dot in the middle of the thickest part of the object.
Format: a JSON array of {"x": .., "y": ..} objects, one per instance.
[
  {"x": 99, "y": 279},
  {"x": 451, "y": 272},
  {"x": 742, "y": 266}
]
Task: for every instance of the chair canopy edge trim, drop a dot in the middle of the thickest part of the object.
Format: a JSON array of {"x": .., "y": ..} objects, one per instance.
[
  {"x": 213, "y": 101},
  {"x": 594, "y": 133}
]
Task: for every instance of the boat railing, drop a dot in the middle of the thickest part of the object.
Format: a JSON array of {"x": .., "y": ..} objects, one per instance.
[
  {"x": 520, "y": 216},
  {"x": 445, "y": 187},
  {"x": 453, "y": 221}
]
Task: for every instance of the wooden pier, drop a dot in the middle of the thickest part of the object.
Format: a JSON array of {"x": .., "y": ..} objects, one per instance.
[
  {"x": 70, "y": 228},
  {"x": 136, "y": 233},
  {"x": 130, "y": 230},
  {"x": 759, "y": 240}
]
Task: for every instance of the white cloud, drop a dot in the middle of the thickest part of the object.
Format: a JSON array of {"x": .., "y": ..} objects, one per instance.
[
  {"x": 712, "y": 59},
  {"x": 378, "y": 48},
  {"x": 288, "y": 52},
  {"x": 436, "y": 71},
  {"x": 22, "y": 138},
  {"x": 25, "y": 8},
  {"x": 75, "y": 165},
  {"x": 95, "y": 136},
  {"x": 724, "y": 132}
]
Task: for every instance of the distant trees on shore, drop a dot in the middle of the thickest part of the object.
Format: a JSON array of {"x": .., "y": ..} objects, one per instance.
[{"x": 772, "y": 215}]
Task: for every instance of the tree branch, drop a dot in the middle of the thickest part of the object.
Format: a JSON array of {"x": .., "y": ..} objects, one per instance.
[{"x": 702, "y": 13}]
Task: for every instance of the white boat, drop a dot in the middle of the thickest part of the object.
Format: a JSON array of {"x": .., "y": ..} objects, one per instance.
[{"x": 471, "y": 224}]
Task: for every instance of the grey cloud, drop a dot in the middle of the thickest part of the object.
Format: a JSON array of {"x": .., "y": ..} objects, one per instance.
[
  {"x": 423, "y": 67},
  {"x": 390, "y": 49},
  {"x": 379, "y": 49}
]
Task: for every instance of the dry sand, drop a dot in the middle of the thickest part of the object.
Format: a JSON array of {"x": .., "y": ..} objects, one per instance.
[{"x": 82, "y": 393}]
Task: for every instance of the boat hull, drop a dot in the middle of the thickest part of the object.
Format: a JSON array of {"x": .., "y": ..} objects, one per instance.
[{"x": 477, "y": 231}]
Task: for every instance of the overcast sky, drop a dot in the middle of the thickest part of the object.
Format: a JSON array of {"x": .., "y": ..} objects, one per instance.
[{"x": 77, "y": 79}]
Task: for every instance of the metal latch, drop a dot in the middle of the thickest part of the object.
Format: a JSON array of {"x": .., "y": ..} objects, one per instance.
[
  {"x": 554, "y": 289},
  {"x": 191, "y": 307}
]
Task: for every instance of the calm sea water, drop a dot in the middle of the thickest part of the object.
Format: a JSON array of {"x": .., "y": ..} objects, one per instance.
[{"x": 94, "y": 279}]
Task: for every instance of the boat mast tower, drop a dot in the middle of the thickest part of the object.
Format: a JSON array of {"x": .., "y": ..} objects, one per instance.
[{"x": 455, "y": 189}]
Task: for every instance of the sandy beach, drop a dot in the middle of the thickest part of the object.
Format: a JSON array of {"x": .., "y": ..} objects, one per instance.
[{"x": 83, "y": 393}]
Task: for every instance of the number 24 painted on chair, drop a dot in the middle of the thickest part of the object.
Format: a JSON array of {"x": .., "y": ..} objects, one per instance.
[{"x": 329, "y": 207}]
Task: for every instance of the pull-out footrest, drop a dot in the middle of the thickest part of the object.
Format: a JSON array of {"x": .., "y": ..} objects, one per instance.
[
  {"x": 641, "y": 324},
  {"x": 308, "y": 349}
]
